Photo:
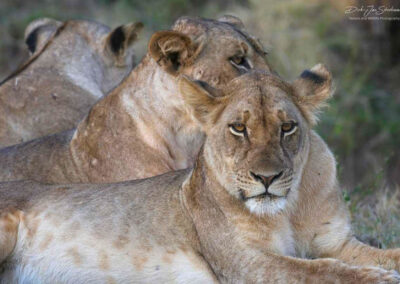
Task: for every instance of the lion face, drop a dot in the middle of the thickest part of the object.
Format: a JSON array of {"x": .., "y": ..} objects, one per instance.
[
  {"x": 225, "y": 47},
  {"x": 257, "y": 134},
  {"x": 264, "y": 138},
  {"x": 213, "y": 51}
]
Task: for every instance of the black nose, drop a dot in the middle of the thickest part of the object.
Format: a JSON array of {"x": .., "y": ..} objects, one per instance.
[{"x": 266, "y": 180}]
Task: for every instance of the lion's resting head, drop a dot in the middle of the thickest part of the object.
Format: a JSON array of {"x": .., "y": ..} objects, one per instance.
[
  {"x": 214, "y": 51},
  {"x": 93, "y": 45},
  {"x": 258, "y": 131}
]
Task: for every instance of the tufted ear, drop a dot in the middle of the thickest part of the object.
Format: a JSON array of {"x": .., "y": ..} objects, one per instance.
[
  {"x": 232, "y": 20},
  {"x": 120, "y": 41},
  {"x": 39, "y": 32},
  {"x": 203, "y": 99},
  {"x": 171, "y": 50},
  {"x": 312, "y": 89}
]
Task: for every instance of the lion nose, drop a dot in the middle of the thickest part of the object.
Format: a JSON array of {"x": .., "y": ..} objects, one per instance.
[{"x": 266, "y": 180}]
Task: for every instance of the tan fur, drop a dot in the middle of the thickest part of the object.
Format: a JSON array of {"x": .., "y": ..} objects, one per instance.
[
  {"x": 9, "y": 221},
  {"x": 71, "y": 67},
  {"x": 328, "y": 232},
  {"x": 143, "y": 127},
  {"x": 188, "y": 226}
]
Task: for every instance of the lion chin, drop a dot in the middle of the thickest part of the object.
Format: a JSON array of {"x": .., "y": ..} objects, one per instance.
[{"x": 266, "y": 205}]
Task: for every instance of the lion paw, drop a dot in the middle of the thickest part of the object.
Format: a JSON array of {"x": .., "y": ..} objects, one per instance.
[{"x": 376, "y": 275}]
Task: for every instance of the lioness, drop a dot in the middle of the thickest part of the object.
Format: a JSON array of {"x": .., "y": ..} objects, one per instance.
[
  {"x": 227, "y": 220},
  {"x": 73, "y": 64},
  {"x": 142, "y": 128}
]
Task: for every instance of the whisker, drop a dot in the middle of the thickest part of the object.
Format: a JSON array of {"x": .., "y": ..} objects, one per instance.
[
  {"x": 283, "y": 184},
  {"x": 287, "y": 178}
]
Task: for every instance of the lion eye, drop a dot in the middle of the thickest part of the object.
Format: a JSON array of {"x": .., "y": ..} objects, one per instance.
[
  {"x": 237, "y": 129},
  {"x": 240, "y": 62},
  {"x": 289, "y": 127}
]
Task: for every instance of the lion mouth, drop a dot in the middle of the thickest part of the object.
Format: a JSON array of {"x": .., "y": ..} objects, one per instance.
[
  {"x": 270, "y": 195},
  {"x": 265, "y": 194},
  {"x": 273, "y": 187}
]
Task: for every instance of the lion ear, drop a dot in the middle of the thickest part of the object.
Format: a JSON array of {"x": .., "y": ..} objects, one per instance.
[
  {"x": 201, "y": 97},
  {"x": 312, "y": 89},
  {"x": 39, "y": 32},
  {"x": 171, "y": 50},
  {"x": 120, "y": 41}
]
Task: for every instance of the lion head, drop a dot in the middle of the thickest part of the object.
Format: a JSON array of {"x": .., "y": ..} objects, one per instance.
[
  {"x": 257, "y": 130},
  {"x": 87, "y": 44},
  {"x": 214, "y": 51}
]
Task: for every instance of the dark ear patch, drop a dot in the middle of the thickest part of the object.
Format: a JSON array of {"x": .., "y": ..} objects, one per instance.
[
  {"x": 311, "y": 90},
  {"x": 31, "y": 40},
  {"x": 171, "y": 50},
  {"x": 117, "y": 39},
  {"x": 119, "y": 43},
  {"x": 308, "y": 75},
  {"x": 174, "y": 57}
]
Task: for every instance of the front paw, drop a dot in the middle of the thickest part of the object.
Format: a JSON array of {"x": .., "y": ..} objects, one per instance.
[{"x": 373, "y": 275}]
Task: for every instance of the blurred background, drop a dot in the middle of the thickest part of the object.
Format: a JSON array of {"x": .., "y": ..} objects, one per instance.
[{"x": 362, "y": 124}]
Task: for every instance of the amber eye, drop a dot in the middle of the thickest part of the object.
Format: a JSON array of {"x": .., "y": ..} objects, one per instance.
[
  {"x": 240, "y": 62},
  {"x": 289, "y": 127},
  {"x": 237, "y": 129}
]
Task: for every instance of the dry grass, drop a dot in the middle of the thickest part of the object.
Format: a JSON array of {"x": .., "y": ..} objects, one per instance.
[{"x": 376, "y": 219}]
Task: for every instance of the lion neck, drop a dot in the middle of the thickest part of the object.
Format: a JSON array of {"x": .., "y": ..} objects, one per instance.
[
  {"x": 161, "y": 116},
  {"x": 149, "y": 113},
  {"x": 225, "y": 227},
  {"x": 207, "y": 199}
]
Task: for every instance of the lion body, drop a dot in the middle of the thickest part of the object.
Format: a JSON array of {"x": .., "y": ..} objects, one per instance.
[
  {"x": 187, "y": 226},
  {"x": 84, "y": 250},
  {"x": 151, "y": 131},
  {"x": 142, "y": 128},
  {"x": 60, "y": 82}
]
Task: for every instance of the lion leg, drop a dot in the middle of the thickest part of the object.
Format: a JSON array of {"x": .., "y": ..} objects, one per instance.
[
  {"x": 322, "y": 223},
  {"x": 333, "y": 238},
  {"x": 357, "y": 253},
  {"x": 9, "y": 223},
  {"x": 294, "y": 270}
]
